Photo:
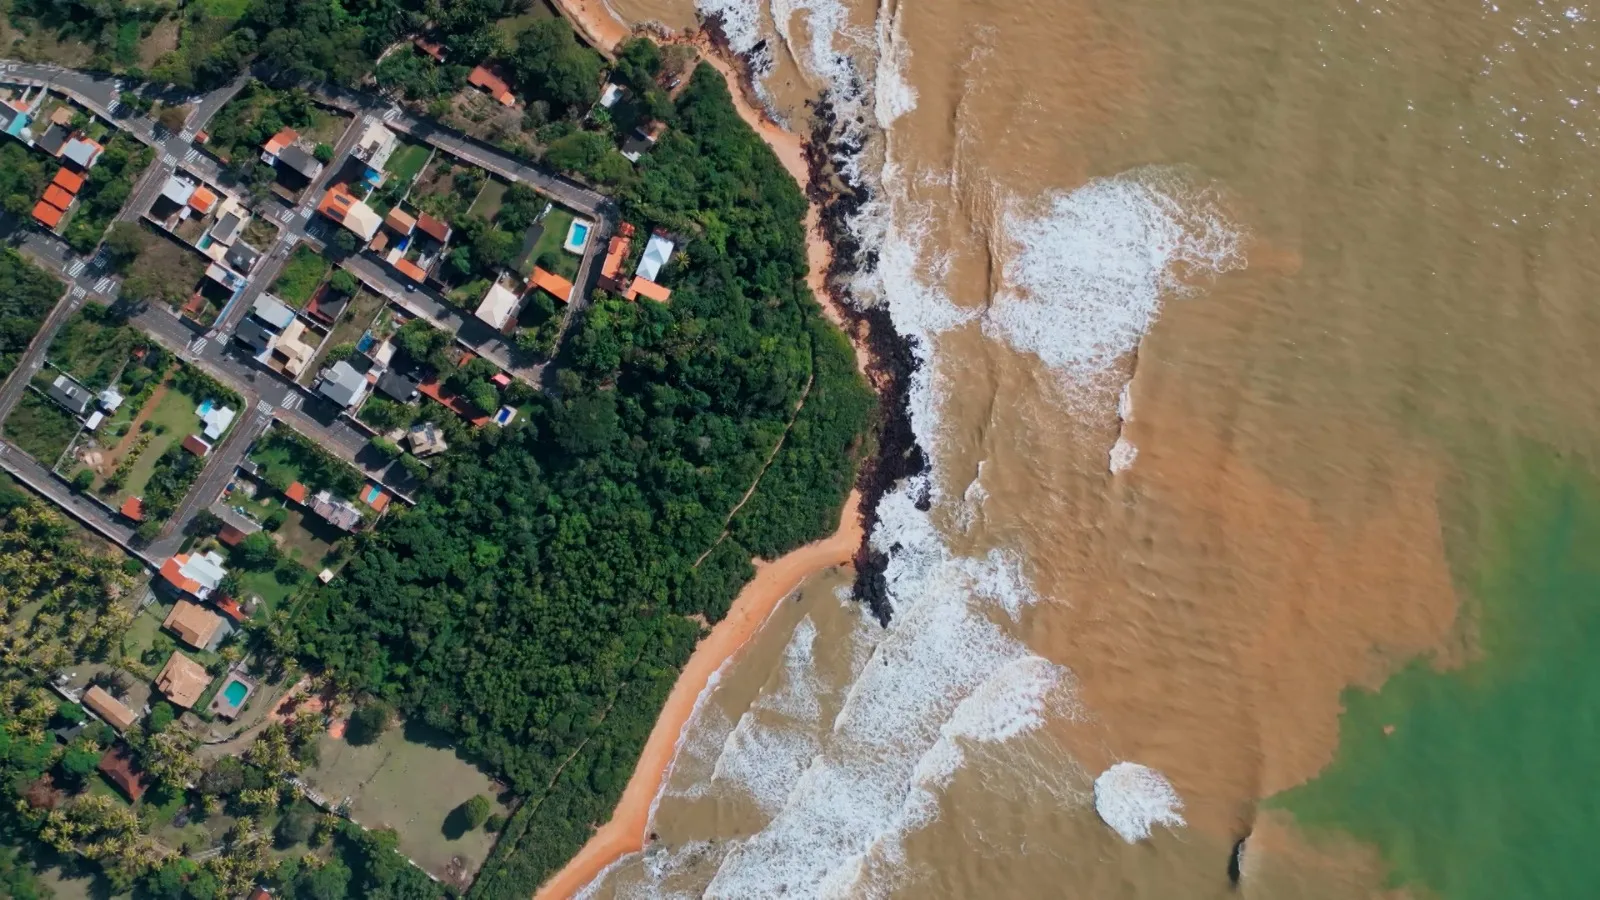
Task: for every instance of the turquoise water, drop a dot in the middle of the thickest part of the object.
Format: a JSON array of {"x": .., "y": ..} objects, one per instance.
[
  {"x": 205, "y": 407},
  {"x": 235, "y": 692},
  {"x": 580, "y": 233}
]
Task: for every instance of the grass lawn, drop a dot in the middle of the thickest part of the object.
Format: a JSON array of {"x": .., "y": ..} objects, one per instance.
[
  {"x": 225, "y": 9},
  {"x": 141, "y": 635},
  {"x": 309, "y": 541},
  {"x": 304, "y": 270},
  {"x": 172, "y": 419},
  {"x": 556, "y": 225},
  {"x": 406, "y": 161},
  {"x": 284, "y": 459},
  {"x": 511, "y": 26},
  {"x": 273, "y": 593},
  {"x": 326, "y": 127},
  {"x": 91, "y": 349},
  {"x": 411, "y": 786},
  {"x": 488, "y": 203},
  {"x": 41, "y": 428}
]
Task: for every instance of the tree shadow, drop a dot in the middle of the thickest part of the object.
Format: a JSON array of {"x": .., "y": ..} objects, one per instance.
[
  {"x": 455, "y": 824},
  {"x": 420, "y": 732}
]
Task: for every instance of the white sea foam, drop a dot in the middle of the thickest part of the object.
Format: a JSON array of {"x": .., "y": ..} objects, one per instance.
[
  {"x": 697, "y": 748},
  {"x": 776, "y": 738},
  {"x": 972, "y": 500},
  {"x": 1092, "y": 266},
  {"x": 1132, "y": 799},
  {"x": 1122, "y": 454}
]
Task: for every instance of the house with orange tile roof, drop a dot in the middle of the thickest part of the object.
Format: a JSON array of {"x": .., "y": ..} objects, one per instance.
[
  {"x": 343, "y": 207},
  {"x": 554, "y": 284},
  {"x": 197, "y": 445},
  {"x": 133, "y": 509},
  {"x": 202, "y": 200},
  {"x": 182, "y": 680},
  {"x": 57, "y": 197},
  {"x": 437, "y": 229},
  {"x": 410, "y": 270},
  {"x": 194, "y": 574},
  {"x": 643, "y": 287},
  {"x": 194, "y": 625},
  {"x": 118, "y": 767},
  {"x": 68, "y": 180},
  {"x": 109, "y": 708},
  {"x": 47, "y": 215},
  {"x": 231, "y": 536},
  {"x": 429, "y": 48},
  {"x": 276, "y": 143},
  {"x": 297, "y": 492},
  {"x": 490, "y": 82}
]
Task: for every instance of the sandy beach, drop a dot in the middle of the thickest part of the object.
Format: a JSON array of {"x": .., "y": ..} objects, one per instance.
[{"x": 774, "y": 580}]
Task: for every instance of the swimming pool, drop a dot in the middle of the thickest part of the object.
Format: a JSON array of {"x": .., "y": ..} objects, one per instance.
[
  {"x": 577, "y": 236},
  {"x": 205, "y": 407},
  {"x": 235, "y": 692}
]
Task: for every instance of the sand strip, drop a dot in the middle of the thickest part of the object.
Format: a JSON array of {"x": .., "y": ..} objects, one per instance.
[{"x": 625, "y": 832}]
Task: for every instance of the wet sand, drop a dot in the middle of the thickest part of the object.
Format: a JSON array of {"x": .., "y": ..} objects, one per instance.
[{"x": 774, "y": 581}]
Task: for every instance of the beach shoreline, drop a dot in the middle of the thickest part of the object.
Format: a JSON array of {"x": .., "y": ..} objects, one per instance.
[{"x": 624, "y": 833}]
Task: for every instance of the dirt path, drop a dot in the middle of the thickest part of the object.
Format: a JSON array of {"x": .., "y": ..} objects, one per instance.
[{"x": 133, "y": 426}]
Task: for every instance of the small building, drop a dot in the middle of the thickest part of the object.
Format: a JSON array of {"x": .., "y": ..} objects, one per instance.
[
  {"x": 182, "y": 680},
  {"x": 229, "y": 279},
  {"x": 426, "y": 47},
  {"x": 636, "y": 145},
  {"x": 427, "y": 439},
  {"x": 226, "y": 228},
  {"x": 437, "y": 229},
  {"x": 610, "y": 94},
  {"x": 297, "y": 492},
  {"x": 197, "y": 445},
  {"x": 649, "y": 290},
  {"x": 94, "y": 420},
  {"x": 400, "y": 222},
  {"x": 276, "y": 144},
  {"x": 551, "y": 283},
  {"x": 195, "y": 625},
  {"x": 616, "y": 251},
  {"x": 203, "y": 200},
  {"x": 72, "y": 396},
  {"x": 399, "y": 387},
  {"x": 82, "y": 152},
  {"x": 108, "y": 708},
  {"x": 110, "y": 399},
  {"x": 194, "y": 574},
  {"x": 58, "y": 197},
  {"x": 118, "y": 767},
  {"x": 375, "y": 497},
  {"x": 242, "y": 257},
  {"x": 216, "y": 418},
  {"x": 499, "y": 306},
  {"x": 340, "y": 514},
  {"x": 47, "y": 215},
  {"x": 410, "y": 270},
  {"x": 656, "y": 254},
  {"x": 487, "y": 80},
  {"x": 133, "y": 509},
  {"x": 291, "y": 354},
  {"x": 255, "y": 334},
  {"x": 342, "y": 384},
  {"x": 376, "y": 144},
  {"x": 68, "y": 180},
  {"x": 328, "y": 305},
  {"x": 298, "y": 161},
  {"x": 342, "y": 206},
  {"x": 272, "y": 311},
  {"x": 231, "y": 536},
  {"x": 54, "y": 139}
]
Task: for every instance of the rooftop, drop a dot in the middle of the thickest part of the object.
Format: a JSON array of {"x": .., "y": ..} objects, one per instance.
[
  {"x": 70, "y": 181},
  {"x": 498, "y": 306},
  {"x": 559, "y": 287},
  {"x": 82, "y": 151},
  {"x": 296, "y": 492},
  {"x": 342, "y": 384},
  {"x": 342, "y": 206},
  {"x": 491, "y": 83},
  {"x": 133, "y": 508},
  {"x": 398, "y": 386},
  {"x": 203, "y": 199},
  {"x": 109, "y": 708},
  {"x": 656, "y": 254},
  {"x": 191, "y": 622},
  {"x": 400, "y": 220},
  {"x": 410, "y": 270},
  {"x": 70, "y": 394},
  {"x": 182, "y": 680},
  {"x": 197, "y": 445},
  {"x": 117, "y": 765},
  {"x": 47, "y": 215},
  {"x": 435, "y": 228},
  {"x": 58, "y": 197},
  {"x": 282, "y": 139}
]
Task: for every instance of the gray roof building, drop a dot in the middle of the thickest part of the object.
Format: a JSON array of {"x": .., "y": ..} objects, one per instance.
[
  {"x": 253, "y": 333},
  {"x": 300, "y": 161},
  {"x": 272, "y": 311},
  {"x": 70, "y": 394},
  {"x": 53, "y": 139},
  {"x": 226, "y": 229},
  {"x": 398, "y": 386},
  {"x": 242, "y": 257},
  {"x": 343, "y": 384}
]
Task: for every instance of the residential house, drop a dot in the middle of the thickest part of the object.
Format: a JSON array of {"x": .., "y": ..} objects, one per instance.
[
  {"x": 638, "y": 142},
  {"x": 343, "y": 384},
  {"x": 216, "y": 418},
  {"x": 328, "y": 305},
  {"x": 408, "y": 268},
  {"x": 399, "y": 387},
  {"x": 610, "y": 94},
  {"x": 197, "y": 445},
  {"x": 554, "y": 284},
  {"x": 400, "y": 222},
  {"x": 108, "y": 708},
  {"x": 489, "y": 81},
  {"x": 297, "y": 492},
  {"x": 226, "y": 228},
  {"x": 182, "y": 680},
  {"x": 341, "y": 514},
  {"x": 437, "y": 229},
  {"x": 611, "y": 277},
  {"x": 110, "y": 399},
  {"x": 376, "y": 144},
  {"x": 133, "y": 509},
  {"x": 650, "y": 290},
  {"x": 342, "y": 206},
  {"x": 427, "y": 439},
  {"x": 256, "y": 335},
  {"x": 68, "y": 180},
  {"x": 194, "y": 574},
  {"x": 300, "y": 163},
  {"x": 499, "y": 306},
  {"x": 272, "y": 311},
  {"x": 118, "y": 767},
  {"x": 15, "y": 119},
  {"x": 48, "y": 216},
  {"x": 292, "y": 353},
  {"x": 82, "y": 152},
  {"x": 74, "y": 397},
  {"x": 275, "y": 145},
  {"x": 242, "y": 257},
  {"x": 656, "y": 254},
  {"x": 429, "y": 48},
  {"x": 231, "y": 536},
  {"x": 54, "y": 139},
  {"x": 195, "y": 625}
]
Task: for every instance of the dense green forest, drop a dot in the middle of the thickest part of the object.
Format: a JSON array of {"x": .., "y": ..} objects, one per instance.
[
  {"x": 535, "y": 602},
  {"x": 27, "y": 293}
]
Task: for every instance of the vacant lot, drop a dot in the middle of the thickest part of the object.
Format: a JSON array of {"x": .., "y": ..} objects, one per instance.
[
  {"x": 301, "y": 274},
  {"x": 164, "y": 270},
  {"x": 411, "y": 786},
  {"x": 41, "y": 428},
  {"x": 488, "y": 202},
  {"x": 93, "y": 347},
  {"x": 285, "y": 457},
  {"x": 406, "y": 161}
]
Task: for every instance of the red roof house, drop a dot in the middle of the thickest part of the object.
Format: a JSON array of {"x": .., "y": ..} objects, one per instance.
[
  {"x": 117, "y": 766},
  {"x": 230, "y": 535},
  {"x": 68, "y": 180},
  {"x": 491, "y": 83},
  {"x": 47, "y": 215},
  {"x": 133, "y": 508},
  {"x": 197, "y": 445},
  {"x": 296, "y": 492}
]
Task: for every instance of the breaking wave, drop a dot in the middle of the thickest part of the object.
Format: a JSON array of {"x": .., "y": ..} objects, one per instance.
[{"x": 1132, "y": 799}]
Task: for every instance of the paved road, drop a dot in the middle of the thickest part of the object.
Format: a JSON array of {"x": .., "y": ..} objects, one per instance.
[
  {"x": 26, "y": 470},
  {"x": 219, "y": 470},
  {"x": 33, "y": 359}
]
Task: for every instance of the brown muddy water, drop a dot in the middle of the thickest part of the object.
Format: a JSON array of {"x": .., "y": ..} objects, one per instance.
[{"x": 1223, "y": 309}]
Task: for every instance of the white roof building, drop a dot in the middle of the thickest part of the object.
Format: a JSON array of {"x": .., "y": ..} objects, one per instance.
[
  {"x": 272, "y": 311},
  {"x": 343, "y": 384},
  {"x": 498, "y": 306},
  {"x": 217, "y": 419},
  {"x": 178, "y": 189},
  {"x": 94, "y": 420},
  {"x": 656, "y": 253},
  {"x": 610, "y": 94},
  {"x": 207, "y": 568},
  {"x": 110, "y": 400}
]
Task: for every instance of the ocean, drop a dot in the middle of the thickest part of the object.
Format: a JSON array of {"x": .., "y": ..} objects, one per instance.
[{"x": 1256, "y": 345}]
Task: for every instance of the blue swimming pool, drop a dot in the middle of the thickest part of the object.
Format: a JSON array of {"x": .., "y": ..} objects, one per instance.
[
  {"x": 235, "y": 692},
  {"x": 205, "y": 407}
]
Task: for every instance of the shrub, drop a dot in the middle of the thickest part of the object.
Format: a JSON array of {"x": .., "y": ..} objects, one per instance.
[
  {"x": 476, "y": 810},
  {"x": 494, "y": 824},
  {"x": 368, "y": 723}
]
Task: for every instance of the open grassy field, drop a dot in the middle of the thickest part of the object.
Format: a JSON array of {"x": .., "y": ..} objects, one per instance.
[
  {"x": 40, "y": 427},
  {"x": 169, "y": 269},
  {"x": 555, "y": 225},
  {"x": 406, "y": 161},
  {"x": 302, "y": 272},
  {"x": 285, "y": 457},
  {"x": 488, "y": 202},
  {"x": 410, "y": 785},
  {"x": 91, "y": 348}
]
